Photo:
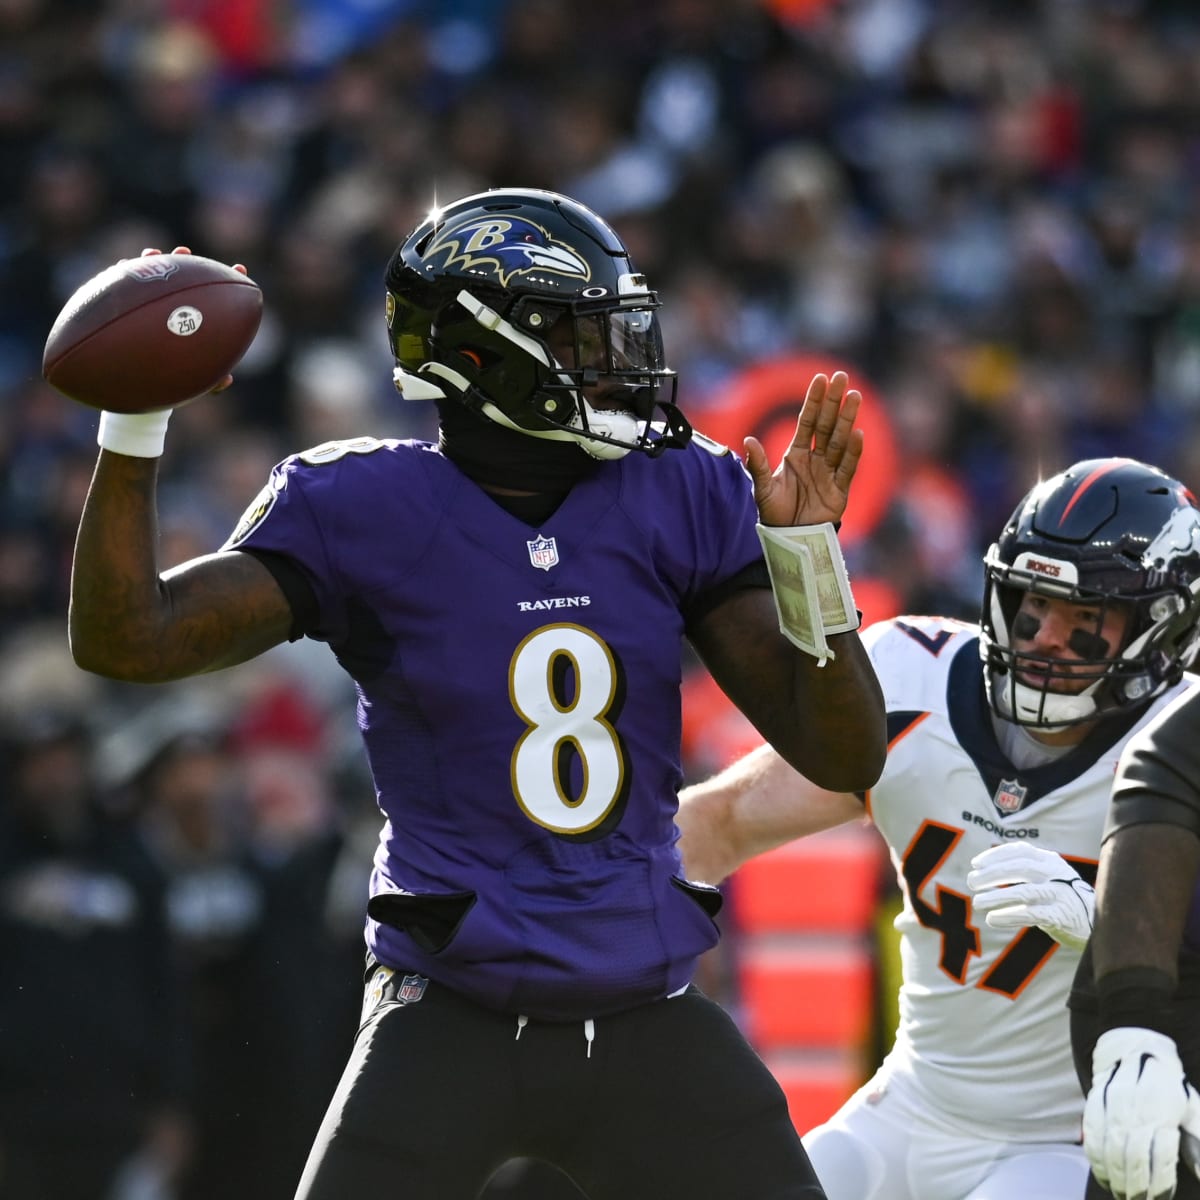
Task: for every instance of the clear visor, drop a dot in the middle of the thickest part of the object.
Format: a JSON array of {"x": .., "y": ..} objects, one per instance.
[{"x": 625, "y": 341}]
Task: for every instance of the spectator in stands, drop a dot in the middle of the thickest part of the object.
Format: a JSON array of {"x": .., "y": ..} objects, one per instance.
[
  {"x": 91, "y": 1087},
  {"x": 192, "y": 814}
]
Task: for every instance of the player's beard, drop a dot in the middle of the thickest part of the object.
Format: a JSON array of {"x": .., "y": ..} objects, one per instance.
[{"x": 492, "y": 455}]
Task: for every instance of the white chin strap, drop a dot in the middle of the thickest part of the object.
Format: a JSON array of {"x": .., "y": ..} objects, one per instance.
[
  {"x": 1048, "y": 711},
  {"x": 622, "y": 425},
  {"x": 610, "y": 423}
]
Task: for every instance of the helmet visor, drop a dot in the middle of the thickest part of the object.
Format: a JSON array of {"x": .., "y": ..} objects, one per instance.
[{"x": 619, "y": 342}]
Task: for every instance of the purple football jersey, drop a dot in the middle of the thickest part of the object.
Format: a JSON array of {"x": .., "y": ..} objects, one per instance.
[{"x": 519, "y": 699}]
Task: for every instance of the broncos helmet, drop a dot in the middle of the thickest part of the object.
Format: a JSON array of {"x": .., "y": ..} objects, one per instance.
[
  {"x": 473, "y": 292},
  {"x": 1107, "y": 531}
]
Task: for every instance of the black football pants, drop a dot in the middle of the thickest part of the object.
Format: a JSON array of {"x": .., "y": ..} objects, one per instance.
[{"x": 667, "y": 1100}]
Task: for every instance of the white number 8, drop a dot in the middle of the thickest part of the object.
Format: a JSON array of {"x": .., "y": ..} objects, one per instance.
[{"x": 559, "y": 725}]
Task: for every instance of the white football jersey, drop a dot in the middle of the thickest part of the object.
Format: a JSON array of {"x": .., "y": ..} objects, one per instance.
[{"x": 983, "y": 1030}]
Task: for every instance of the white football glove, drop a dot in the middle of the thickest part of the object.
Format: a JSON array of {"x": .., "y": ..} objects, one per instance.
[
  {"x": 1138, "y": 1105},
  {"x": 1018, "y": 885}
]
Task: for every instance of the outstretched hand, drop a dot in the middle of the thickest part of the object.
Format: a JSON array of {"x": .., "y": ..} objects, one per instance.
[{"x": 812, "y": 481}]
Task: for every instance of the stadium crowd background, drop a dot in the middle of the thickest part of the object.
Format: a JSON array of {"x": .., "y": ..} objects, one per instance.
[{"x": 989, "y": 213}]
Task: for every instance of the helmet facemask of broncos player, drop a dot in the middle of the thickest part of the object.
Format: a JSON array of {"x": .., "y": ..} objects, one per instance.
[
  {"x": 1104, "y": 533},
  {"x": 523, "y": 306}
]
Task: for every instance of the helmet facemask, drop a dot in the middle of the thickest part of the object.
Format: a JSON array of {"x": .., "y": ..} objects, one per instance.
[
  {"x": 1057, "y": 700},
  {"x": 590, "y": 374}
]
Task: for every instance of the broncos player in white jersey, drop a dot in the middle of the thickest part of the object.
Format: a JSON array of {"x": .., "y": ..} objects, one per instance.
[{"x": 1003, "y": 740}]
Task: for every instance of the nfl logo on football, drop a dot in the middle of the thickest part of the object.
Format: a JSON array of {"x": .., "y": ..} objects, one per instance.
[
  {"x": 1009, "y": 796},
  {"x": 543, "y": 553},
  {"x": 147, "y": 270}
]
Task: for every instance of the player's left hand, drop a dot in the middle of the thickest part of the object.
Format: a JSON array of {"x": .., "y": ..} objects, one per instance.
[
  {"x": 812, "y": 482},
  {"x": 1137, "y": 1105},
  {"x": 1018, "y": 885}
]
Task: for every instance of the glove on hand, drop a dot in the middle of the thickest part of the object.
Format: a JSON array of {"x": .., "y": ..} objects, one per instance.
[
  {"x": 1138, "y": 1102},
  {"x": 1018, "y": 885}
]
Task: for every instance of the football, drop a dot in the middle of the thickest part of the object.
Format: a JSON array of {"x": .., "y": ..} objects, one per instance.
[{"x": 152, "y": 332}]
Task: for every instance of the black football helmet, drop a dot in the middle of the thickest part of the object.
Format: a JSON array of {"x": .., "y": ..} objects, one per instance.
[
  {"x": 1105, "y": 531},
  {"x": 473, "y": 292}
]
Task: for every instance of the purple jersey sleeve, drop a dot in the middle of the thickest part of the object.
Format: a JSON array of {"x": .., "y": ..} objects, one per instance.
[{"x": 716, "y": 538}]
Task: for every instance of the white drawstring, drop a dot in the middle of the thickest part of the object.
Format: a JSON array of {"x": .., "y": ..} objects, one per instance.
[{"x": 589, "y": 1031}]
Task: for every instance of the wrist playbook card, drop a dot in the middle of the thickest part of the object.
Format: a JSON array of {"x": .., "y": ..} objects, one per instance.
[{"x": 812, "y": 591}]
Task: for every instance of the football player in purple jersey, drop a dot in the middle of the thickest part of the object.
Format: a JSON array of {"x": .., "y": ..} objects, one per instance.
[
  {"x": 511, "y": 603},
  {"x": 1137, "y": 1044}
]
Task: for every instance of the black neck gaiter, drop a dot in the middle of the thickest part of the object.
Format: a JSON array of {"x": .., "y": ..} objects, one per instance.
[{"x": 494, "y": 456}]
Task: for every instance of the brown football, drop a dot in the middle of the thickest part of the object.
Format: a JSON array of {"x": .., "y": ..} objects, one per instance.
[{"x": 152, "y": 332}]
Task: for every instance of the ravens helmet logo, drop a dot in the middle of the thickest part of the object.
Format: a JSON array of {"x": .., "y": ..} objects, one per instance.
[{"x": 506, "y": 247}]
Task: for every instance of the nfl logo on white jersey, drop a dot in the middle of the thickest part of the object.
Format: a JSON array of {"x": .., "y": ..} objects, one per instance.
[
  {"x": 1009, "y": 796},
  {"x": 543, "y": 553}
]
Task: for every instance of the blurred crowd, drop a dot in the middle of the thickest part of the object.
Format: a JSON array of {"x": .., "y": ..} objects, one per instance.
[{"x": 985, "y": 211}]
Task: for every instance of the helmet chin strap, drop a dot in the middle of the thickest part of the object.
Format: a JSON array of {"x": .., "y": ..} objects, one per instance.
[
  {"x": 621, "y": 426},
  {"x": 1050, "y": 712},
  {"x": 600, "y": 450}
]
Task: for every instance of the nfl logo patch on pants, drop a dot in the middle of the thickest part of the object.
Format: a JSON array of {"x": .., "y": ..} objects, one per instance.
[{"x": 411, "y": 988}]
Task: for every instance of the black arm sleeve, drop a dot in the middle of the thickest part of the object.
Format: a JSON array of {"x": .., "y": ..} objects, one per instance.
[
  {"x": 295, "y": 586},
  {"x": 1158, "y": 778},
  {"x": 753, "y": 575}
]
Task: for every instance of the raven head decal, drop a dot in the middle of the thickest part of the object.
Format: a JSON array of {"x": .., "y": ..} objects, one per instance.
[{"x": 504, "y": 248}]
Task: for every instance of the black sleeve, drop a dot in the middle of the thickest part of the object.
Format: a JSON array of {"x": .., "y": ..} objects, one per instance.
[
  {"x": 295, "y": 585},
  {"x": 754, "y": 575},
  {"x": 1158, "y": 778}
]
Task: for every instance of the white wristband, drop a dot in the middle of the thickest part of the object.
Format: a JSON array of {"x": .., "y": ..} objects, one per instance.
[{"x": 139, "y": 435}]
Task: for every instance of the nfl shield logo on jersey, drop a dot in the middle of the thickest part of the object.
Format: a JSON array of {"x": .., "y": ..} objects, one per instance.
[
  {"x": 1010, "y": 795},
  {"x": 543, "y": 553}
]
